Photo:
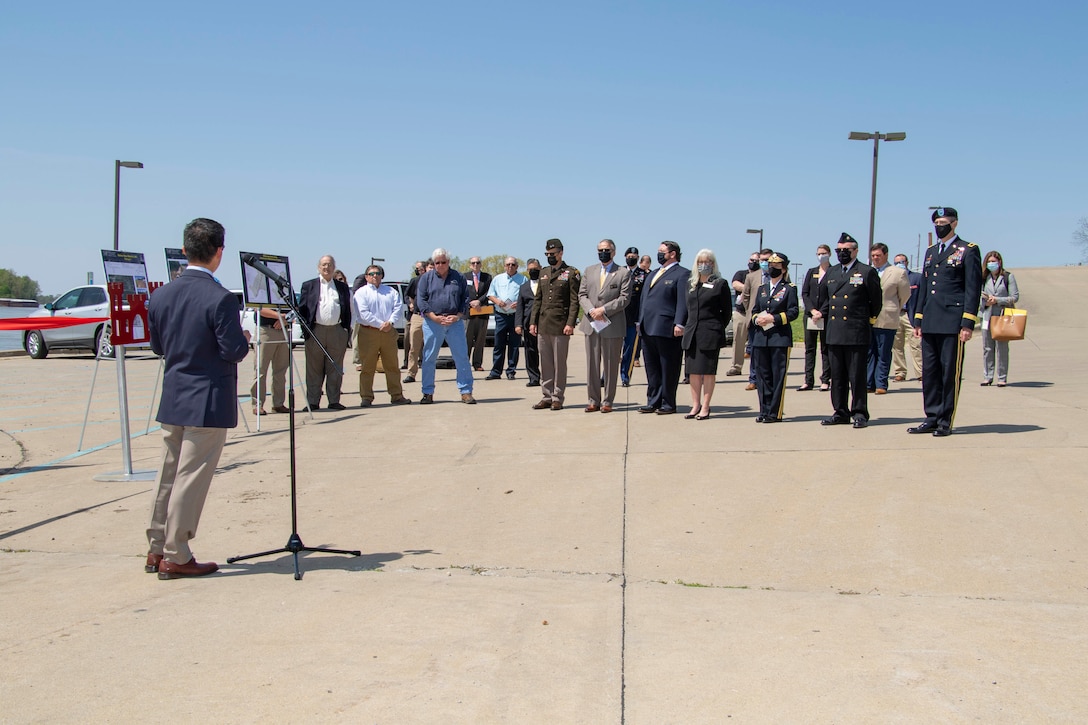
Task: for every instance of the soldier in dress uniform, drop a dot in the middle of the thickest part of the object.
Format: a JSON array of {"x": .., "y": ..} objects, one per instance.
[
  {"x": 771, "y": 334},
  {"x": 555, "y": 310},
  {"x": 944, "y": 317},
  {"x": 850, "y": 299}
]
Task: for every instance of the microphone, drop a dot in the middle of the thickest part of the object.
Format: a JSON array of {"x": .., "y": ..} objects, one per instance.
[{"x": 252, "y": 261}]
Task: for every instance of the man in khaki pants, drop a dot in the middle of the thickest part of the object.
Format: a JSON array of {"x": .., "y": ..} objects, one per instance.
[{"x": 374, "y": 308}]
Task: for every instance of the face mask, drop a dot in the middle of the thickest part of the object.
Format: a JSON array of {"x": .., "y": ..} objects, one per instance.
[
  {"x": 660, "y": 257},
  {"x": 632, "y": 261},
  {"x": 845, "y": 255},
  {"x": 993, "y": 266},
  {"x": 764, "y": 265},
  {"x": 943, "y": 230},
  {"x": 552, "y": 259},
  {"x": 753, "y": 266},
  {"x": 534, "y": 273},
  {"x": 775, "y": 273},
  {"x": 604, "y": 255},
  {"x": 821, "y": 258},
  {"x": 901, "y": 265},
  {"x": 705, "y": 268}
]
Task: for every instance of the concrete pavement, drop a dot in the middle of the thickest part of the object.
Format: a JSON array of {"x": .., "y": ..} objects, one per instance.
[{"x": 563, "y": 567}]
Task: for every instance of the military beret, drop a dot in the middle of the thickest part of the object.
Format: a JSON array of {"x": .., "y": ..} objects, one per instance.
[
  {"x": 945, "y": 211},
  {"x": 553, "y": 244},
  {"x": 631, "y": 250},
  {"x": 845, "y": 238}
]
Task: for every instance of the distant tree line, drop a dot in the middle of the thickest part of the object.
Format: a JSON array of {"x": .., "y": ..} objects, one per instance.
[
  {"x": 1080, "y": 238},
  {"x": 18, "y": 286}
]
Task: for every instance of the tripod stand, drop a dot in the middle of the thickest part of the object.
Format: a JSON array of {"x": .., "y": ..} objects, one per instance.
[{"x": 294, "y": 541}]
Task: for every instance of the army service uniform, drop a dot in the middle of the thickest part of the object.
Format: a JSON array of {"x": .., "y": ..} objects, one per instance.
[
  {"x": 771, "y": 347},
  {"x": 555, "y": 307}
]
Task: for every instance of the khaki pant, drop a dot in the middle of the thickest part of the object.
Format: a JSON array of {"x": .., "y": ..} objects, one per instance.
[
  {"x": 904, "y": 337},
  {"x": 414, "y": 340},
  {"x": 375, "y": 344},
  {"x": 740, "y": 338}
]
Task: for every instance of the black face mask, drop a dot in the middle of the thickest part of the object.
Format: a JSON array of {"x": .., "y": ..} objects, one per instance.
[
  {"x": 753, "y": 266},
  {"x": 534, "y": 273},
  {"x": 661, "y": 258},
  {"x": 845, "y": 255},
  {"x": 775, "y": 273},
  {"x": 552, "y": 259},
  {"x": 942, "y": 230},
  {"x": 604, "y": 255},
  {"x": 632, "y": 261}
]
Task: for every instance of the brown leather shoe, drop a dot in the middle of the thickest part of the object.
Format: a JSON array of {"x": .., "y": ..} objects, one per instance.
[
  {"x": 152, "y": 564},
  {"x": 467, "y": 399},
  {"x": 880, "y": 391},
  {"x": 401, "y": 401},
  {"x": 750, "y": 386},
  {"x": 591, "y": 408},
  {"x": 170, "y": 570},
  {"x": 606, "y": 408},
  {"x": 557, "y": 406},
  {"x": 899, "y": 378},
  {"x": 280, "y": 409},
  {"x": 543, "y": 405}
]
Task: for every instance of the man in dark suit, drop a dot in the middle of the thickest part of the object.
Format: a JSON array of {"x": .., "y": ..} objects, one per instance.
[
  {"x": 522, "y": 315},
  {"x": 326, "y": 308},
  {"x": 194, "y": 326},
  {"x": 850, "y": 299},
  {"x": 661, "y": 326},
  {"x": 945, "y": 316},
  {"x": 479, "y": 282}
]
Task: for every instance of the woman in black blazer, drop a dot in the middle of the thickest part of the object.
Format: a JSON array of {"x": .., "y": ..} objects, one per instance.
[
  {"x": 771, "y": 335},
  {"x": 709, "y": 311}
]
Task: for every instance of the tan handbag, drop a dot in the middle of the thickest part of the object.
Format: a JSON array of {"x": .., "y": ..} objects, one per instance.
[{"x": 1009, "y": 326}]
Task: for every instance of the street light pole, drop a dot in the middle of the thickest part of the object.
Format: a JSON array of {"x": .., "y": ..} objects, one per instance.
[
  {"x": 876, "y": 138},
  {"x": 760, "y": 233},
  {"x": 117, "y": 164}
]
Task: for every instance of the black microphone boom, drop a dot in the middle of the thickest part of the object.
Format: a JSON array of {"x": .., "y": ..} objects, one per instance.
[{"x": 252, "y": 261}]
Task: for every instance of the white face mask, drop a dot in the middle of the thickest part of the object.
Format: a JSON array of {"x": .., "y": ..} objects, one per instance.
[{"x": 821, "y": 258}]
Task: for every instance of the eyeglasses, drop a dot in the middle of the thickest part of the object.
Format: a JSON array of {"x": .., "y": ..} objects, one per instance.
[
  {"x": 373, "y": 274},
  {"x": 511, "y": 264},
  {"x": 475, "y": 263},
  {"x": 441, "y": 261}
]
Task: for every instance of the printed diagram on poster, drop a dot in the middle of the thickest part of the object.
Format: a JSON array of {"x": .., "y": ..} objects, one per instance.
[
  {"x": 175, "y": 263},
  {"x": 127, "y": 269},
  {"x": 258, "y": 290}
]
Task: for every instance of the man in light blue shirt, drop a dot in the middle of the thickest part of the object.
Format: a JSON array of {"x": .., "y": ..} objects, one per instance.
[{"x": 503, "y": 294}]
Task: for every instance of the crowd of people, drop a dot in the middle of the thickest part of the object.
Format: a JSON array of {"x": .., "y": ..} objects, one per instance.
[{"x": 870, "y": 324}]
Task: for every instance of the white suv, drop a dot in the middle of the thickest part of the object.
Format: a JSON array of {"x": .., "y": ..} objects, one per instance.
[{"x": 87, "y": 301}]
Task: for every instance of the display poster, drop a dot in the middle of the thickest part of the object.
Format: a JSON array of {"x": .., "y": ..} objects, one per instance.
[
  {"x": 127, "y": 268},
  {"x": 175, "y": 263},
  {"x": 257, "y": 289}
]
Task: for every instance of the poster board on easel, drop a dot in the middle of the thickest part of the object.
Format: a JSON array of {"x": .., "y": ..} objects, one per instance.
[{"x": 257, "y": 289}]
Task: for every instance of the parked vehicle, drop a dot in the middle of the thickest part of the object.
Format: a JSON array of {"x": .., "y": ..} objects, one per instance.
[{"x": 86, "y": 301}]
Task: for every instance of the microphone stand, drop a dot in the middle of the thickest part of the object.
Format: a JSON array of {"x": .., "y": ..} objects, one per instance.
[{"x": 294, "y": 541}]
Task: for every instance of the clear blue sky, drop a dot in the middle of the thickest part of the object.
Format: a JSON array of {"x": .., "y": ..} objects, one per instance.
[{"x": 385, "y": 129}]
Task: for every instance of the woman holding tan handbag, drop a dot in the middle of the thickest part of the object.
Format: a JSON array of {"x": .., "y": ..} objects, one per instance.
[{"x": 999, "y": 291}]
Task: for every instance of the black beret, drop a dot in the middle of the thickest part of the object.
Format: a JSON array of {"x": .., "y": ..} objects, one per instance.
[
  {"x": 845, "y": 238},
  {"x": 945, "y": 211},
  {"x": 631, "y": 250},
  {"x": 553, "y": 244}
]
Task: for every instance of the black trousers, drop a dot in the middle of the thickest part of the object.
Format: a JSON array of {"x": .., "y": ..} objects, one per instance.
[
  {"x": 811, "y": 338},
  {"x": 476, "y": 336},
  {"x": 942, "y": 372},
  {"x": 664, "y": 358},
  {"x": 532, "y": 356},
  {"x": 771, "y": 364},
  {"x": 849, "y": 396}
]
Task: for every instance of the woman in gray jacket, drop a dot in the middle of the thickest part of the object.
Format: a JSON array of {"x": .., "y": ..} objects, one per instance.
[{"x": 999, "y": 291}]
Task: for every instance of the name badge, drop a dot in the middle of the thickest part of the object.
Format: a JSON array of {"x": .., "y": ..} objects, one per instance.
[{"x": 707, "y": 285}]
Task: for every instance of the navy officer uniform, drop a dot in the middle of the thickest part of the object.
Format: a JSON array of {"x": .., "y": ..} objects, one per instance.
[
  {"x": 771, "y": 345},
  {"x": 850, "y": 299},
  {"x": 945, "y": 316}
]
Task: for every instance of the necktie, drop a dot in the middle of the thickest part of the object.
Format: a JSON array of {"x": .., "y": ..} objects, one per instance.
[
  {"x": 476, "y": 281},
  {"x": 940, "y": 249},
  {"x": 657, "y": 276},
  {"x": 603, "y": 273}
]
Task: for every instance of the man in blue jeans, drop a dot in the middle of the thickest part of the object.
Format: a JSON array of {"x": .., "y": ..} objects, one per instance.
[{"x": 442, "y": 299}]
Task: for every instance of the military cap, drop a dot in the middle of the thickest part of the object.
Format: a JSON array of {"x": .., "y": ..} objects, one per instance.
[
  {"x": 779, "y": 258},
  {"x": 945, "y": 211},
  {"x": 631, "y": 250},
  {"x": 845, "y": 238},
  {"x": 553, "y": 244}
]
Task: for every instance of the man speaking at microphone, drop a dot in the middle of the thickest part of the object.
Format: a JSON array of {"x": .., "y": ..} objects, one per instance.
[{"x": 194, "y": 326}]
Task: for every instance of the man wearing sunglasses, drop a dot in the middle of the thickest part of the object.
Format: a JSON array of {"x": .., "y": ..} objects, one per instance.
[{"x": 374, "y": 308}]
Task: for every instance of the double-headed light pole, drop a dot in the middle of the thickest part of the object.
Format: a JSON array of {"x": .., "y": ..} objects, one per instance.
[
  {"x": 117, "y": 193},
  {"x": 876, "y": 138}
]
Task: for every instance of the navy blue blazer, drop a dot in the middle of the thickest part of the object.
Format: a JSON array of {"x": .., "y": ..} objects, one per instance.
[
  {"x": 310, "y": 300},
  {"x": 194, "y": 325},
  {"x": 664, "y": 304}
]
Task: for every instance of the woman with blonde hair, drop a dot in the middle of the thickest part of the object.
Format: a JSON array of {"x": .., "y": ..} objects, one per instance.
[
  {"x": 709, "y": 311},
  {"x": 999, "y": 291}
]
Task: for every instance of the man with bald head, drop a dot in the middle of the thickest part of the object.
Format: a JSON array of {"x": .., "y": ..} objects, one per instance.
[{"x": 326, "y": 308}]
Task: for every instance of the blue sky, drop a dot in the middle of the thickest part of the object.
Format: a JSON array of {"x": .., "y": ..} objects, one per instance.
[{"x": 367, "y": 129}]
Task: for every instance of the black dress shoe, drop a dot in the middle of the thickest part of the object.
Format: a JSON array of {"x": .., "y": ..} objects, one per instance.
[
  {"x": 533, "y": 384},
  {"x": 926, "y": 427},
  {"x": 861, "y": 423},
  {"x": 760, "y": 419},
  {"x": 337, "y": 406},
  {"x": 941, "y": 432},
  {"x": 625, "y": 383},
  {"x": 666, "y": 411},
  {"x": 511, "y": 376},
  {"x": 771, "y": 419},
  {"x": 834, "y": 421},
  {"x": 647, "y": 409},
  {"x": 493, "y": 376}
]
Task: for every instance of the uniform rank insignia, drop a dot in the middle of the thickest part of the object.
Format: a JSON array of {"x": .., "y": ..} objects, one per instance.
[
  {"x": 957, "y": 257},
  {"x": 564, "y": 277},
  {"x": 855, "y": 280}
]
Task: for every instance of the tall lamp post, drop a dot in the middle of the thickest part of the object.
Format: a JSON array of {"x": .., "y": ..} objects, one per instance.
[
  {"x": 876, "y": 138},
  {"x": 760, "y": 233},
  {"x": 117, "y": 193}
]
